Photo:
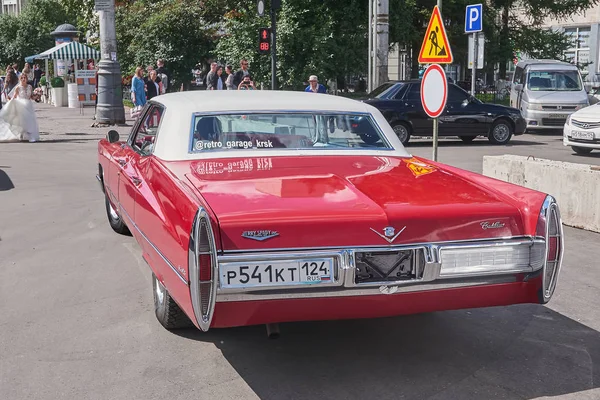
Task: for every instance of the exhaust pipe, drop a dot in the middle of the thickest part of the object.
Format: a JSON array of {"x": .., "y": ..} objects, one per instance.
[{"x": 273, "y": 331}]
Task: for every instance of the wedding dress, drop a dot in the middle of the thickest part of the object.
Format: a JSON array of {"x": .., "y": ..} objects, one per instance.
[{"x": 17, "y": 118}]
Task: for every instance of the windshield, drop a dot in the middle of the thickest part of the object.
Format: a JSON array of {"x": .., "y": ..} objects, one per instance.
[
  {"x": 386, "y": 91},
  {"x": 554, "y": 81},
  {"x": 231, "y": 132}
]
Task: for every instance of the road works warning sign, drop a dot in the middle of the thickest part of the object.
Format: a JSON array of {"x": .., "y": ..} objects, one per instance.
[{"x": 436, "y": 47}]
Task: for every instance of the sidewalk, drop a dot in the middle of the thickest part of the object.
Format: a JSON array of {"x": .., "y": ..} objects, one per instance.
[{"x": 68, "y": 124}]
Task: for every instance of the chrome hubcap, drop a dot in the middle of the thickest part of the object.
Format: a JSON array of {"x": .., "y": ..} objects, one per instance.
[
  {"x": 401, "y": 132},
  {"x": 160, "y": 292},
  {"x": 501, "y": 132}
]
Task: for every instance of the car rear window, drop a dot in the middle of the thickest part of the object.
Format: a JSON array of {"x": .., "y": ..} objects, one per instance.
[{"x": 267, "y": 131}]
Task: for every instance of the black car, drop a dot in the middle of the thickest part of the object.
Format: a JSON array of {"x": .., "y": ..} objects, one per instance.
[{"x": 464, "y": 116}]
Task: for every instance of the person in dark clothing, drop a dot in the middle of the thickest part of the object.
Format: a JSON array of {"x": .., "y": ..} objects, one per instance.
[
  {"x": 37, "y": 75},
  {"x": 241, "y": 73},
  {"x": 163, "y": 75},
  {"x": 152, "y": 86}
]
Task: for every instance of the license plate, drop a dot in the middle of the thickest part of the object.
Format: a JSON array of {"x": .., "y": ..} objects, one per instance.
[
  {"x": 559, "y": 116},
  {"x": 276, "y": 273},
  {"x": 582, "y": 135}
]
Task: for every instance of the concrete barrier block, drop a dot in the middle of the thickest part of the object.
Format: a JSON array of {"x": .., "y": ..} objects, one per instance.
[{"x": 576, "y": 187}]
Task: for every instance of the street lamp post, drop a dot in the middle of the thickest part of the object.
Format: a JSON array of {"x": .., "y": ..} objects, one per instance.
[{"x": 110, "y": 109}]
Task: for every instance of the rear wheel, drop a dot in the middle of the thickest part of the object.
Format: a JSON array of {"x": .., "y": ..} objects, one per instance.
[
  {"x": 501, "y": 132},
  {"x": 402, "y": 130},
  {"x": 166, "y": 309},
  {"x": 467, "y": 139},
  {"x": 581, "y": 150},
  {"x": 114, "y": 219}
]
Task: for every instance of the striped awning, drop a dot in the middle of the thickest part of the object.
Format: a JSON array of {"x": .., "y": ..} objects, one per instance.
[{"x": 69, "y": 51}]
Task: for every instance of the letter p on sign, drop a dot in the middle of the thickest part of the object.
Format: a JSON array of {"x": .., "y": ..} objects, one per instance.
[{"x": 474, "y": 18}]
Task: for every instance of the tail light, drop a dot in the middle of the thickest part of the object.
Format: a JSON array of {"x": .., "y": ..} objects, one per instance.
[
  {"x": 202, "y": 267},
  {"x": 549, "y": 228}
]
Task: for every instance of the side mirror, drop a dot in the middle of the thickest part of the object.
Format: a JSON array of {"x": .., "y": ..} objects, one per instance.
[
  {"x": 466, "y": 102},
  {"x": 588, "y": 87},
  {"x": 112, "y": 136},
  {"x": 518, "y": 87}
]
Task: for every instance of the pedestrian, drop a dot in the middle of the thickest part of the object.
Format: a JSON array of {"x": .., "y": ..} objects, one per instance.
[
  {"x": 138, "y": 92},
  {"x": 241, "y": 73},
  {"x": 163, "y": 74},
  {"x": 18, "y": 118},
  {"x": 220, "y": 85},
  {"x": 11, "y": 80},
  {"x": 37, "y": 75},
  {"x": 229, "y": 80},
  {"x": 246, "y": 83},
  {"x": 314, "y": 86},
  {"x": 29, "y": 73},
  {"x": 212, "y": 77},
  {"x": 152, "y": 87}
]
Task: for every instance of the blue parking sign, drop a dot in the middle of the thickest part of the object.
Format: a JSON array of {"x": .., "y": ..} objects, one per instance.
[{"x": 474, "y": 18}]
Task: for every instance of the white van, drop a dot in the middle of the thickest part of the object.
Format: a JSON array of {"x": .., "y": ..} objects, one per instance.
[{"x": 547, "y": 92}]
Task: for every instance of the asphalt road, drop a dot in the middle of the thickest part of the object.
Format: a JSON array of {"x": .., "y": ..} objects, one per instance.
[{"x": 77, "y": 319}]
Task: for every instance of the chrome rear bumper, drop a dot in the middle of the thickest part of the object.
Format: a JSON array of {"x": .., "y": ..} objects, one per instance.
[{"x": 446, "y": 265}]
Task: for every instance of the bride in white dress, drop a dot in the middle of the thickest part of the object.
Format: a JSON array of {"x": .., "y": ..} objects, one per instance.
[{"x": 17, "y": 118}]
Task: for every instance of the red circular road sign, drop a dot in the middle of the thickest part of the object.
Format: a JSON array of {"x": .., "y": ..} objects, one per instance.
[{"x": 434, "y": 90}]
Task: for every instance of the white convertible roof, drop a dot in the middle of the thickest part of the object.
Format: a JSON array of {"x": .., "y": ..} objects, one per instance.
[
  {"x": 173, "y": 140},
  {"x": 256, "y": 100}
]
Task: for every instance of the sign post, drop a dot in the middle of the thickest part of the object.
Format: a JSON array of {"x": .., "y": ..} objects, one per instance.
[
  {"x": 474, "y": 24},
  {"x": 436, "y": 50}
]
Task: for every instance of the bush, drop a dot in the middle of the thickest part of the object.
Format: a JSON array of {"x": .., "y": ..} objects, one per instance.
[
  {"x": 43, "y": 81},
  {"x": 57, "y": 82}
]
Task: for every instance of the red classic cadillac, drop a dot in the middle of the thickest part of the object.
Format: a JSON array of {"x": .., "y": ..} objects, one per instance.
[{"x": 261, "y": 207}]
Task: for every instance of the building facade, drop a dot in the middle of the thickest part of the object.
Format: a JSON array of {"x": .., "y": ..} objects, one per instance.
[
  {"x": 13, "y": 7},
  {"x": 583, "y": 31}
]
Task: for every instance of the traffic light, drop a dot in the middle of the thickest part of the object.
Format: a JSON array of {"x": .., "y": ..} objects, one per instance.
[{"x": 264, "y": 40}]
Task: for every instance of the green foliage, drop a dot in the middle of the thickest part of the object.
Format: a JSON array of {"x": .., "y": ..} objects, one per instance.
[
  {"x": 322, "y": 37},
  {"x": 508, "y": 34},
  {"x": 29, "y": 33},
  {"x": 43, "y": 81},
  {"x": 57, "y": 82},
  {"x": 174, "y": 30}
]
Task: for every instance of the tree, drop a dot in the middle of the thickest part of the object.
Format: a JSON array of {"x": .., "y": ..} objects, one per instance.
[
  {"x": 526, "y": 34},
  {"x": 174, "y": 30},
  {"x": 29, "y": 32},
  {"x": 321, "y": 37}
]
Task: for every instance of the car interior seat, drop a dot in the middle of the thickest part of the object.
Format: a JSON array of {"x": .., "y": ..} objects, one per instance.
[{"x": 208, "y": 128}]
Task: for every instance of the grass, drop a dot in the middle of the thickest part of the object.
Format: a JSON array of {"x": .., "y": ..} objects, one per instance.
[{"x": 492, "y": 98}]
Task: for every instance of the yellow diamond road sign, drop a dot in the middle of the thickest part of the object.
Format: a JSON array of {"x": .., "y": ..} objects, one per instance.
[{"x": 436, "y": 47}]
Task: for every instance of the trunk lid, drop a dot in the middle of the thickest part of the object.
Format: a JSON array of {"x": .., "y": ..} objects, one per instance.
[{"x": 332, "y": 201}]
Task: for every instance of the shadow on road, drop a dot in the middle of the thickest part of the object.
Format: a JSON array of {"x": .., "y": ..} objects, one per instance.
[
  {"x": 78, "y": 140},
  {"x": 592, "y": 155},
  {"x": 5, "y": 181},
  {"x": 524, "y": 351}
]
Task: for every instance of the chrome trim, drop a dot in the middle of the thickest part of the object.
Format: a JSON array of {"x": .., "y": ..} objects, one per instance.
[
  {"x": 346, "y": 267},
  {"x": 203, "y": 320},
  {"x": 548, "y": 207},
  {"x": 123, "y": 212},
  {"x": 367, "y": 291},
  {"x": 377, "y": 247},
  {"x": 338, "y": 274}
]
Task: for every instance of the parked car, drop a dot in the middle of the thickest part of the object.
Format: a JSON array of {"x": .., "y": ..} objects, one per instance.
[
  {"x": 582, "y": 130},
  {"x": 262, "y": 207},
  {"x": 465, "y": 116},
  {"x": 547, "y": 92}
]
